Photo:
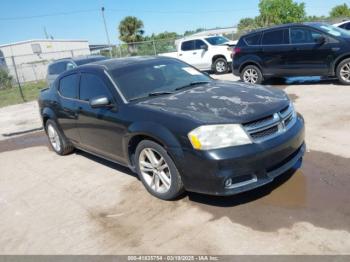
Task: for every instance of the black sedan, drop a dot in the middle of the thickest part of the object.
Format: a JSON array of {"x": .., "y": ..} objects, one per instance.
[{"x": 176, "y": 127}]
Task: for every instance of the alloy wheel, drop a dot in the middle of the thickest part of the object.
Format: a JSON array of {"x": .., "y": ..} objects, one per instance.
[
  {"x": 250, "y": 76},
  {"x": 155, "y": 170},
  {"x": 54, "y": 138},
  {"x": 345, "y": 72},
  {"x": 220, "y": 66}
]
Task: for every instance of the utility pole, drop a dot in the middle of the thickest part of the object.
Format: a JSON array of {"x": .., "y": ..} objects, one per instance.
[
  {"x": 19, "y": 84},
  {"x": 107, "y": 35}
]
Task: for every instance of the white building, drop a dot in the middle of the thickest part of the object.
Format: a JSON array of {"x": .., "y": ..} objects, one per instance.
[{"x": 32, "y": 57}]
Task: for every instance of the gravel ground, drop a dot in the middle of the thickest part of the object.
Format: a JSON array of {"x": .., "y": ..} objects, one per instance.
[{"x": 80, "y": 204}]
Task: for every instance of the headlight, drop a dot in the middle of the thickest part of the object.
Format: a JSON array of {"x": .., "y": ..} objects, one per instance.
[{"x": 218, "y": 136}]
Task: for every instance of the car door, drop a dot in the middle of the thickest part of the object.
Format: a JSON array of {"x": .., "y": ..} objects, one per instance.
[
  {"x": 100, "y": 129},
  {"x": 201, "y": 56},
  {"x": 309, "y": 56},
  {"x": 66, "y": 107},
  {"x": 275, "y": 50},
  {"x": 186, "y": 51}
]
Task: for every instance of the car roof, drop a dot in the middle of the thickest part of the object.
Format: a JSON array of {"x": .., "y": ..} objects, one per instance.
[
  {"x": 188, "y": 38},
  {"x": 259, "y": 30},
  {"x": 115, "y": 63},
  {"x": 341, "y": 23},
  {"x": 77, "y": 58}
]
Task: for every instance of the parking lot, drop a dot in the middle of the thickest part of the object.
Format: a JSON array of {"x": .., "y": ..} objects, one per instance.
[{"x": 81, "y": 204}]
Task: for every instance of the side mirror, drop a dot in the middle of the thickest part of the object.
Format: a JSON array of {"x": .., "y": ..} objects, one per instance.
[
  {"x": 100, "y": 101},
  {"x": 204, "y": 47},
  {"x": 320, "y": 40}
]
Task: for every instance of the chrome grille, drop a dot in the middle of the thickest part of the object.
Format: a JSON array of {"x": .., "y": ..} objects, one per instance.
[{"x": 270, "y": 126}]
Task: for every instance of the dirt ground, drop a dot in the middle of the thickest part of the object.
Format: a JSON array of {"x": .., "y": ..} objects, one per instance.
[{"x": 80, "y": 204}]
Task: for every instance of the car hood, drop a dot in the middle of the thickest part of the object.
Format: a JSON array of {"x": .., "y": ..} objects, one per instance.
[{"x": 222, "y": 102}]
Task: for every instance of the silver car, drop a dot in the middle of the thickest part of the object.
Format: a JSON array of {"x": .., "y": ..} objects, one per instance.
[{"x": 59, "y": 66}]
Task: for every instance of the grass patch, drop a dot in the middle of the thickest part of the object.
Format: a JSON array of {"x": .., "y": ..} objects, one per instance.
[{"x": 12, "y": 96}]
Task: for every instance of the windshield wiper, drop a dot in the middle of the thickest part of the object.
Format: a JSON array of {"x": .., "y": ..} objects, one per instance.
[
  {"x": 158, "y": 93},
  {"x": 192, "y": 84}
]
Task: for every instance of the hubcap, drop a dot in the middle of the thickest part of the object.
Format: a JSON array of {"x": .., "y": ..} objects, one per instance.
[
  {"x": 345, "y": 72},
  {"x": 54, "y": 138},
  {"x": 250, "y": 76},
  {"x": 220, "y": 66},
  {"x": 155, "y": 170}
]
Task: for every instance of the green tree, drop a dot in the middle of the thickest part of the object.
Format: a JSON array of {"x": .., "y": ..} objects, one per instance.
[
  {"x": 131, "y": 30},
  {"x": 246, "y": 24},
  {"x": 340, "y": 11},
  {"x": 280, "y": 12},
  {"x": 5, "y": 79}
]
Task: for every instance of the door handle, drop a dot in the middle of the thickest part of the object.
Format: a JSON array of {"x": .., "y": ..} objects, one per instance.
[
  {"x": 194, "y": 53},
  {"x": 180, "y": 54}
]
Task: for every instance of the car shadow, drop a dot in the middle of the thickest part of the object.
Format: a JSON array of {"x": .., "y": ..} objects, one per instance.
[
  {"x": 303, "y": 80},
  {"x": 107, "y": 163}
]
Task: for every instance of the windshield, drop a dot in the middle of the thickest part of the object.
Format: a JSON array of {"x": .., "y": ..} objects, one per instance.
[
  {"x": 155, "y": 76},
  {"x": 333, "y": 30},
  {"x": 217, "y": 40}
]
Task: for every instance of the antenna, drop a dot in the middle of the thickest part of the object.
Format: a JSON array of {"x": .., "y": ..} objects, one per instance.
[{"x": 45, "y": 33}]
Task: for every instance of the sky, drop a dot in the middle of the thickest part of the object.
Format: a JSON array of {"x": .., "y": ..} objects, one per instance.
[{"x": 81, "y": 19}]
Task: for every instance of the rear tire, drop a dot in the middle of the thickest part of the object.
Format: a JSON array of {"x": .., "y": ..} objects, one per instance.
[
  {"x": 252, "y": 74},
  {"x": 58, "y": 142},
  {"x": 220, "y": 66},
  {"x": 157, "y": 171},
  {"x": 343, "y": 72}
]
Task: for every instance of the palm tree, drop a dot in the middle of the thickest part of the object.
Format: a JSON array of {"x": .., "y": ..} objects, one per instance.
[{"x": 131, "y": 30}]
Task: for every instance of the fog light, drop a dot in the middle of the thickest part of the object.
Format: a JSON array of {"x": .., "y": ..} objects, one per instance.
[{"x": 228, "y": 182}]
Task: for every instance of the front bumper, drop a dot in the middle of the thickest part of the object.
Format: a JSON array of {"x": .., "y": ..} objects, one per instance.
[{"x": 248, "y": 166}]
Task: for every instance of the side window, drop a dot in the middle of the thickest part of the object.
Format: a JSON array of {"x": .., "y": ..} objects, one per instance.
[
  {"x": 187, "y": 46},
  {"x": 92, "y": 86},
  {"x": 304, "y": 36},
  {"x": 276, "y": 37},
  {"x": 70, "y": 66},
  {"x": 69, "y": 86},
  {"x": 57, "y": 68},
  {"x": 347, "y": 27},
  {"x": 252, "y": 39},
  {"x": 198, "y": 44}
]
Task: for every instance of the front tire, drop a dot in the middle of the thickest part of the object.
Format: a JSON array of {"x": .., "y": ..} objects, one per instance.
[
  {"x": 343, "y": 71},
  {"x": 252, "y": 74},
  {"x": 220, "y": 66},
  {"x": 58, "y": 141},
  {"x": 157, "y": 171}
]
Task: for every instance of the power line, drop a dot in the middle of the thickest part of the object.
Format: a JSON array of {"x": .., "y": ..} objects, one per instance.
[
  {"x": 46, "y": 15},
  {"x": 138, "y": 11}
]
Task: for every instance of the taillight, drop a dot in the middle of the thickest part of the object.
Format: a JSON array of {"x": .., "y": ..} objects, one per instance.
[{"x": 235, "y": 50}]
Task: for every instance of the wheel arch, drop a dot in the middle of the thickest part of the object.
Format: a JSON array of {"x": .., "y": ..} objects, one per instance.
[
  {"x": 148, "y": 131},
  {"x": 215, "y": 57},
  {"x": 47, "y": 113},
  {"x": 338, "y": 61},
  {"x": 250, "y": 62}
]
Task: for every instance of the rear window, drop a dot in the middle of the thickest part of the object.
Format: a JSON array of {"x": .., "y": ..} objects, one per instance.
[
  {"x": 276, "y": 37},
  {"x": 69, "y": 86},
  {"x": 57, "y": 68},
  {"x": 252, "y": 39}
]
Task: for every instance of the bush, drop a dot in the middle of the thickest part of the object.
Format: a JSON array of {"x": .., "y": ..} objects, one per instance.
[{"x": 5, "y": 79}]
